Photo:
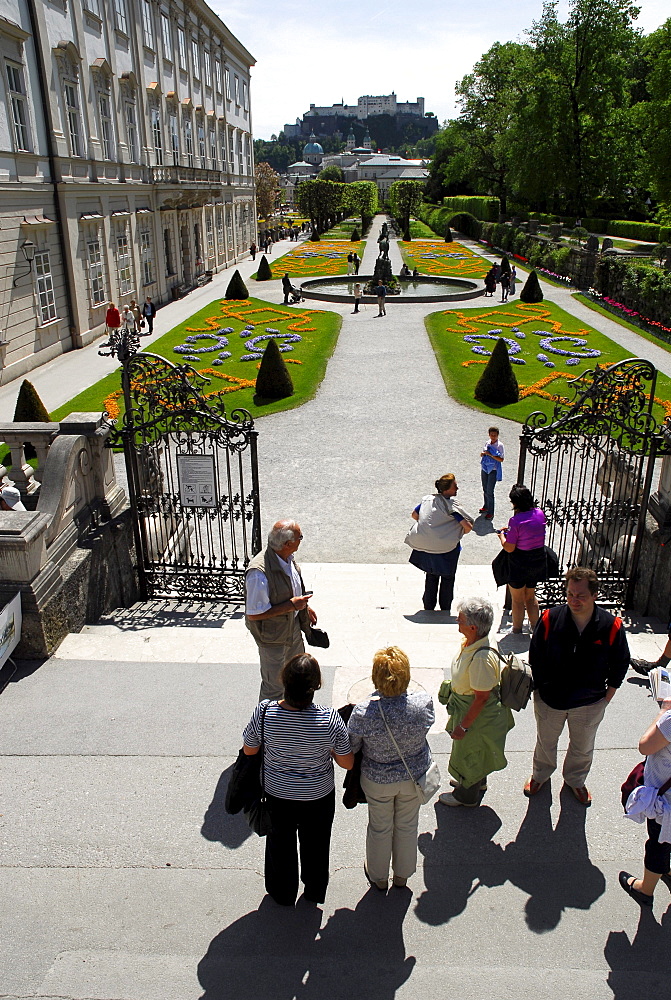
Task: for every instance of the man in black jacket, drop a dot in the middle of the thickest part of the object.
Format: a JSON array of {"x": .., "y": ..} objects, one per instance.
[{"x": 578, "y": 656}]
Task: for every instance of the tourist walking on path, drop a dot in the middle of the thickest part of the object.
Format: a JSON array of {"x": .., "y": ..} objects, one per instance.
[
  {"x": 513, "y": 279},
  {"x": 435, "y": 540},
  {"x": 137, "y": 313},
  {"x": 356, "y": 261},
  {"x": 276, "y": 605},
  {"x": 149, "y": 311},
  {"x": 128, "y": 319},
  {"x": 524, "y": 541},
  {"x": 578, "y": 657},
  {"x": 477, "y": 721},
  {"x": 490, "y": 282},
  {"x": 357, "y": 296},
  {"x": 300, "y": 742},
  {"x": 286, "y": 288},
  {"x": 391, "y": 793},
  {"x": 504, "y": 281},
  {"x": 381, "y": 293},
  {"x": 112, "y": 317},
  {"x": 491, "y": 472},
  {"x": 646, "y": 803},
  {"x": 252, "y": 251}
]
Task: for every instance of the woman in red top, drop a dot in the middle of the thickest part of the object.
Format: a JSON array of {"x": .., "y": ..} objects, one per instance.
[{"x": 113, "y": 318}]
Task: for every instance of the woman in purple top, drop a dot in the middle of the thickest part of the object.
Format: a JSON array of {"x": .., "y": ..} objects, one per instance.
[{"x": 524, "y": 540}]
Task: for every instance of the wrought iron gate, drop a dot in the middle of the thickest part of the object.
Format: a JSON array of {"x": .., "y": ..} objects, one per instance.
[
  {"x": 192, "y": 482},
  {"x": 590, "y": 468}
]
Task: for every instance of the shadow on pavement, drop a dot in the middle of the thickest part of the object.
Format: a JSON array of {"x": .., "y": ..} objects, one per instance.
[
  {"x": 551, "y": 865},
  {"x": 278, "y": 952},
  {"x": 14, "y": 671},
  {"x": 432, "y": 618},
  {"x": 638, "y": 968},
  {"x": 151, "y": 614},
  {"x": 218, "y": 826}
]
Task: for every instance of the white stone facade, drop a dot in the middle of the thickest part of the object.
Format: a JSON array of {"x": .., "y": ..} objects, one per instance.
[
  {"x": 368, "y": 106},
  {"x": 126, "y": 158}
]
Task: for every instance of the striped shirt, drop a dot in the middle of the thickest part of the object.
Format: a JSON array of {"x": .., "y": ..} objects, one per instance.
[{"x": 297, "y": 762}]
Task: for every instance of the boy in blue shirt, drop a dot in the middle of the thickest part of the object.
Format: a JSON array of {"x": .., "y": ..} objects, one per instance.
[{"x": 490, "y": 470}]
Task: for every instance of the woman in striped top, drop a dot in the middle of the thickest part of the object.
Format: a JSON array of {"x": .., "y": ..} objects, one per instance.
[{"x": 301, "y": 741}]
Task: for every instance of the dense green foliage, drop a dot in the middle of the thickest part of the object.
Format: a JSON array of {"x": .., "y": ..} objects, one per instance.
[
  {"x": 405, "y": 197},
  {"x": 273, "y": 380},
  {"x": 29, "y": 407},
  {"x": 482, "y": 207},
  {"x": 267, "y": 183},
  {"x": 237, "y": 289},
  {"x": 575, "y": 118},
  {"x": 497, "y": 385},
  {"x": 332, "y": 173},
  {"x": 320, "y": 201},
  {"x": 437, "y": 218},
  {"x": 360, "y": 198}
]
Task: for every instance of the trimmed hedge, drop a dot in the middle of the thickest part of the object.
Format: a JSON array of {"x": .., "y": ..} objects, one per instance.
[
  {"x": 481, "y": 207},
  {"x": 650, "y": 232},
  {"x": 438, "y": 218}
]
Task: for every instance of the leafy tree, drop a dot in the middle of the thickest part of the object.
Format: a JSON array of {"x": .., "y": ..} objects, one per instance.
[
  {"x": 661, "y": 252},
  {"x": 653, "y": 115},
  {"x": 361, "y": 198},
  {"x": 267, "y": 189},
  {"x": 498, "y": 385},
  {"x": 332, "y": 173},
  {"x": 320, "y": 201},
  {"x": 273, "y": 380},
  {"x": 405, "y": 197},
  {"x": 237, "y": 289}
]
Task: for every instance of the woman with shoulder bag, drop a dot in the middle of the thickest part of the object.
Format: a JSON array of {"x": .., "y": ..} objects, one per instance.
[
  {"x": 478, "y": 723},
  {"x": 435, "y": 541},
  {"x": 524, "y": 541},
  {"x": 391, "y": 727},
  {"x": 300, "y": 742}
]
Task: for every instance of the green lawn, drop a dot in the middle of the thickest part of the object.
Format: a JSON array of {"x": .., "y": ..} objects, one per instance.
[
  {"x": 317, "y": 328},
  {"x": 343, "y": 230},
  {"x": 420, "y": 231},
  {"x": 646, "y": 334},
  {"x": 447, "y": 330}
]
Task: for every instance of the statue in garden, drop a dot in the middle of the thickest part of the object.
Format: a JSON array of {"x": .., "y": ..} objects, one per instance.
[{"x": 384, "y": 249}]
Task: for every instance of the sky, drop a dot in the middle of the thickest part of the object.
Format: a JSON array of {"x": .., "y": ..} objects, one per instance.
[{"x": 312, "y": 52}]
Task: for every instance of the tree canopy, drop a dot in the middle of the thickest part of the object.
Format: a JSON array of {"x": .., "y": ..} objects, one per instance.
[{"x": 267, "y": 189}]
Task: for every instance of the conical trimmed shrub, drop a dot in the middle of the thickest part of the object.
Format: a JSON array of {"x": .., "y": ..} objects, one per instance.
[
  {"x": 505, "y": 265},
  {"x": 497, "y": 384},
  {"x": 355, "y": 236},
  {"x": 448, "y": 235},
  {"x": 264, "y": 273},
  {"x": 532, "y": 289},
  {"x": 314, "y": 236},
  {"x": 237, "y": 289},
  {"x": 29, "y": 406},
  {"x": 273, "y": 380}
]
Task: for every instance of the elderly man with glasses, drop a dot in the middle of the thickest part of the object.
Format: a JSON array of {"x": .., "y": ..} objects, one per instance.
[{"x": 276, "y": 605}]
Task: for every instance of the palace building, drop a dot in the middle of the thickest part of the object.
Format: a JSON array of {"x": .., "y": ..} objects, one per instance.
[{"x": 126, "y": 163}]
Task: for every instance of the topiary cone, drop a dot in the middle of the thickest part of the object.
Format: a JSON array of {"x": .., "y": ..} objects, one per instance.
[
  {"x": 29, "y": 406},
  {"x": 237, "y": 289},
  {"x": 505, "y": 265},
  {"x": 264, "y": 273},
  {"x": 448, "y": 235},
  {"x": 532, "y": 289},
  {"x": 497, "y": 384},
  {"x": 273, "y": 380},
  {"x": 314, "y": 236},
  {"x": 355, "y": 236}
]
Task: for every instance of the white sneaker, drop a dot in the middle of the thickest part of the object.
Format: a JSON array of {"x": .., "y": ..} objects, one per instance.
[{"x": 448, "y": 799}]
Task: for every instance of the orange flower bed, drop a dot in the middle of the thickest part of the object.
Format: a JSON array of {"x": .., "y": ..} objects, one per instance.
[
  {"x": 327, "y": 257},
  {"x": 111, "y": 404},
  {"x": 235, "y": 309},
  {"x": 446, "y": 260}
]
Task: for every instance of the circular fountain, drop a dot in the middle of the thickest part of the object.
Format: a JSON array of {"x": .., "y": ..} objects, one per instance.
[{"x": 425, "y": 288}]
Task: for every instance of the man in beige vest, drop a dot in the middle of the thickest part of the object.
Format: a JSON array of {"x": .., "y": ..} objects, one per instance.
[{"x": 276, "y": 605}]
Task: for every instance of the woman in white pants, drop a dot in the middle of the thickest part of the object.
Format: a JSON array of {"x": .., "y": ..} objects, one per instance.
[{"x": 393, "y": 803}]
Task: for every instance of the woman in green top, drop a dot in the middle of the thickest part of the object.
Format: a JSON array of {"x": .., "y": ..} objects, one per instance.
[{"x": 478, "y": 722}]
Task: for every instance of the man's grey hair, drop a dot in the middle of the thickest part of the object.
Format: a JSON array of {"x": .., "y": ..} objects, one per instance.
[
  {"x": 477, "y": 612},
  {"x": 281, "y": 533}
]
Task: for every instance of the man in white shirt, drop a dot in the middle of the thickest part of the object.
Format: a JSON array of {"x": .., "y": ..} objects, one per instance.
[{"x": 276, "y": 605}]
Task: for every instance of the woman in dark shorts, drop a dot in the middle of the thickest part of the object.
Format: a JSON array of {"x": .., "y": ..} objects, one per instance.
[{"x": 524, "y": 540}]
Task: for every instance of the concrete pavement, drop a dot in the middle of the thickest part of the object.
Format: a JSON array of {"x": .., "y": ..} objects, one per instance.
[{"x": 122, "y": 878}]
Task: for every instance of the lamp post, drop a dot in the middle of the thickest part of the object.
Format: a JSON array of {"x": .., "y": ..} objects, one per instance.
[{"x": 28, "y": 249}]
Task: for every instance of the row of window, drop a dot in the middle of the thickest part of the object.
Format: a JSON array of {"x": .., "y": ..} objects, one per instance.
[{"x": 225, "y": 83}]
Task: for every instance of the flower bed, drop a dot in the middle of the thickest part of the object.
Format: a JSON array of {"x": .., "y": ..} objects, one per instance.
[
  {"x": 539, "y": 337},
  {"x": 445, "y": 260},
  {"x": 225, "y": 342},
  {"x": 327, "y": 257}
]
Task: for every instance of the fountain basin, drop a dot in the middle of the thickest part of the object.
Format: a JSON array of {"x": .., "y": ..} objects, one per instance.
[{"x": 426, "y": 288}]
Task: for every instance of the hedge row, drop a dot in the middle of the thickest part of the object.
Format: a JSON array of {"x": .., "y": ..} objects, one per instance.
[
  {"x": 480, "y": 206},
  {"x": 438, "y": 218},
  {"x": 650, "y": 232}
]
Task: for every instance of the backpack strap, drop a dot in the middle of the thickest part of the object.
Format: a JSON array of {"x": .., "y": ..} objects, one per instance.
[{"x": 614, "y": 629}]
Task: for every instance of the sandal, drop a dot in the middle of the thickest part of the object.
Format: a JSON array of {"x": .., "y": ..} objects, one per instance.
[{"x": 639, "y": 897}]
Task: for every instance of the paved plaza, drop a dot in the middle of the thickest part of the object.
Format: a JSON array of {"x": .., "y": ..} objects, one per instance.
[{"x": 123, "y": 878}]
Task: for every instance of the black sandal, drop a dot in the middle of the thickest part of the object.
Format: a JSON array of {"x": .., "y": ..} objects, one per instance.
[{"x": 639, "y": 897}]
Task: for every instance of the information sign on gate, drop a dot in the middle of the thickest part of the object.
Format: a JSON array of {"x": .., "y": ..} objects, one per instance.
[{"x": 197, "y": 480}]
